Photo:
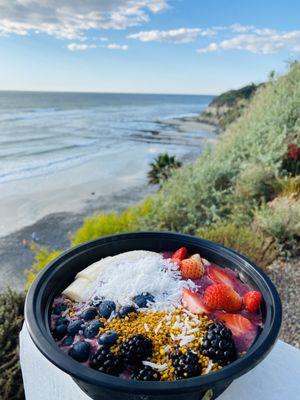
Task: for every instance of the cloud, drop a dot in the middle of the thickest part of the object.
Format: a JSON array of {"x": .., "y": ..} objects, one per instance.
[
  {"x": 103, "y": 39},
  {"x": 258, "y": 41},
  {"x": 114, "y": 46},
  {"x": 180, "y": 35},
  {"x": 70, "y": 19},
  {"x": 80, "y": 46}
]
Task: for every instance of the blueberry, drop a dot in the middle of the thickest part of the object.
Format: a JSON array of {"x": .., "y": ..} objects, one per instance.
[
  {"x": 108, "y": 338},
  {"x": 62, "y": 321},
  {"x": 68, "y": 341},
  {"x": 75, "y": 326},
  {"x": 59, "y": 308},
  {"x": 126, "y": 310},
  {"x": 89, "y": 313},
  {"x": 92, "y": 329},
  {"x": 106, "y": 308},
  {"x": 60, "y": 331},
  {"x": 141, "y": 300},
  {"x": 80, "y": 351}
]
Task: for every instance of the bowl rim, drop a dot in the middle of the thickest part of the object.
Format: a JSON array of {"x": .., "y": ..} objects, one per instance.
[{"x": 47, "y": 346}]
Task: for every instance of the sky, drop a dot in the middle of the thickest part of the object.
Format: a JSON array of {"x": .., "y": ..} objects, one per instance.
[{"x": 145, "y": 46}]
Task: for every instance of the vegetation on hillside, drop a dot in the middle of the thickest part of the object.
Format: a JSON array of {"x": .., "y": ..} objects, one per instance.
[
  {"x": 228, "y": 106},
  {"x": 11, "y": 321}
]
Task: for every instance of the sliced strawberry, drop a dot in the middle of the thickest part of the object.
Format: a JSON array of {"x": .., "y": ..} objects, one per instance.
[
  {"x": 193, "y": 302},
  {"x": 222, "y": 297},
  {"x": 220, "y": 275},
  {"x": 192, "y": 268},
  {"x": 179, "y": 255},
  {"x": 252, "y": 300},
  {"x": 238, "y": 324}
]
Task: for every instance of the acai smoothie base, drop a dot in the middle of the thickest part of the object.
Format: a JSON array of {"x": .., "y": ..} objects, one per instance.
[{"x": 151, "y": 316}]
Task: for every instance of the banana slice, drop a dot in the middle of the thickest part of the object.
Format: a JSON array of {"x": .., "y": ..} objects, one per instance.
[
  {"x": 78, "y": 290},
  {"x": 92, "y": 271}
]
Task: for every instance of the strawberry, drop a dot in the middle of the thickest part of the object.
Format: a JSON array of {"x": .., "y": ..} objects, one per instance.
[
  {"x": 179, "y": 255},
  {"x": 252, "y": 300},
  {"x": 238, "y": 324},
  {"x": 222, "y": 297},
  {"x": 192, "y": 268},
  {"x": 220, "y": 275},
  {"x": 193, "y": 302}
]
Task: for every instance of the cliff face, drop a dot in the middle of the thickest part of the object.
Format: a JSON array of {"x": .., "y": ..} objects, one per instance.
[{"x": 228, "y": 106}]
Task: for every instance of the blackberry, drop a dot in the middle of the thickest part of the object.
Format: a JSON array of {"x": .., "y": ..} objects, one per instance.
[
  {"x": 145, "y": 373},
  {"x": 186, "y": 365},
  {"x": 218, "y": 344},
  {"x": 105, "y": 361},
  {"x": 136, "y": 349}
]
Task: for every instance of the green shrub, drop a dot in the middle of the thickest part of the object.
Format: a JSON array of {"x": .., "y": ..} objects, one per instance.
[
  {"x": 203, "y": 193},
  {"x": 107, "y": 224},
  {"x": 162, "y": 168},
  {"x": 256, "y": 182},
  {"x": 255, "y": 245},
  {"x": 42, "y": 257},
  {"x": 290, "y": 187},
  {"x": 280, "y": 218},
  {"x": 11, "y": 321}
]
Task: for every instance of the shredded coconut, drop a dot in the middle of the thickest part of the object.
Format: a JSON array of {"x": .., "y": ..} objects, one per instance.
[
  {"x": 159, "y": 367},
  {"x": 121, "y": 280}
]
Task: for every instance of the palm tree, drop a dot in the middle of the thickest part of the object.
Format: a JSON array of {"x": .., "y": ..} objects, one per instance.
[{"x": 162, "y": 168}]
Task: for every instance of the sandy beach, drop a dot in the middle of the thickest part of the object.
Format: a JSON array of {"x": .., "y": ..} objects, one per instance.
[{"x": 49, "y": 207}]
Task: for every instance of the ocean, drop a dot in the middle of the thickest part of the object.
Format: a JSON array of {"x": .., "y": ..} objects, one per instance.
[{"x": 42, "y": 133}]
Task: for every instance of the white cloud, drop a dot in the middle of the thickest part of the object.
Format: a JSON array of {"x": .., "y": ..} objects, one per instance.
[
  {"x": 80, "y": 47},
  {"x": 115, "y": 46},
  {"x": 180, "y": 35},
  {"x": 70, "y": 19},
  {"x": 103, "y": 39},
  {"x": 259, "y": 41}
]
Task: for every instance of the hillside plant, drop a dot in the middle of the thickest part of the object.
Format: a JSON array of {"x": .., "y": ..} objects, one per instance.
[{"x": 11, "y": 321}]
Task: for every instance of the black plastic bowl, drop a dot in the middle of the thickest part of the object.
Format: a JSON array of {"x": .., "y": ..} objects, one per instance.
[{"x": 61, "y": 272}]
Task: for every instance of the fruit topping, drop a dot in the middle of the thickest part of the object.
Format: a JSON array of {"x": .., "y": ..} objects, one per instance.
[
  {"x": 145, "y": 373},
  {"x": 105, "y": 361},
  {"x": 60, "y": 331},
  {"x": 142, "y": 300},
  {"x": 80, "y": 351},
  {"x": 186, "y": 365},
  {"x": 89, "y": 313},
  {"x": 62, "y": 320},
  {"x": 193, "y": 302},
  {"x": 179, "y": 255},
  {"x": 252, "y": 300},
  {"x": 106, "y": 308},
  {"x": 238, "y": 324},
  {"x": 220, "y": 275},
  {"x": 92, "y": 329},
  {"x": 108, "y": 338},
  {"x": 124, "y": 311},
  {"x": 75, "y": 326},
  {"x": 222, "y": 297},
  {"x": 192, "y": 268},
  {"x": 218, "y": 344},
  {"x": 68, "y": 341},
  {"x": 135, "y": 349},
  {"x": 59, "y": 308}
]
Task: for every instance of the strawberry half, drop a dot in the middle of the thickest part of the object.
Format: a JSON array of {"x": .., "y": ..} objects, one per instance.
[
  {"x": 252, "y": 300},
  {"x": 193, "y": 302},
  {"x": 220, "y": 275},
  {"x": 222, "y": 297},
  {"x": 238, "y": 324},
  {"x": 179, "y": 255},
  {"x": 192, "y": 268}
]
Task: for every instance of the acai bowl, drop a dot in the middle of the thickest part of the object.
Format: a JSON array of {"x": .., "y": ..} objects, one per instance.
[{"x": 153, "y": 315}]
